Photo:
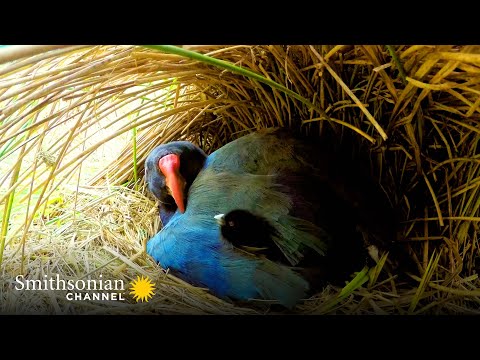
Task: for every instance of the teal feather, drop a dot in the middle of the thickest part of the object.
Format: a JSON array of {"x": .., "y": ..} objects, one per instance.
[
  {"x": 292, "y": 185},
  {"x": 261, "y": 194}
]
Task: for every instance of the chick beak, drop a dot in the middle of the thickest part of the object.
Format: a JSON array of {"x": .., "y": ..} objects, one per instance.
[{"x": 220, "y": 219}]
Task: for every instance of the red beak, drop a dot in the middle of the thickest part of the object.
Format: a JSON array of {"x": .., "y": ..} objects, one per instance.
[{"x": 170, "y": 167}]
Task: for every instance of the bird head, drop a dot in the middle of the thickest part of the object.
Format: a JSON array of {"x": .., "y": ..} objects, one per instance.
[
  {"x": 170, "y": 170},
  {"x": 243, "y": 228},
  {"x": 237, "y": 224}
]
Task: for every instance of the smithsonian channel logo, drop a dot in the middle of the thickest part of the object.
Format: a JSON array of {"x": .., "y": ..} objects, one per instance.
[{"x": 141, "y": 289}]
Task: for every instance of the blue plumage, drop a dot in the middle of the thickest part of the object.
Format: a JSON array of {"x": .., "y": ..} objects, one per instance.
[
  {"x": 196, "y": 254},
  {"x": 191, "y": 243},
  {"x": 300, "y": 192}
]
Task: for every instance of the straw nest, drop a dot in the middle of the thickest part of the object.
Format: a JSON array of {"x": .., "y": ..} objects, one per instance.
[{"x": 76, "y": 124}]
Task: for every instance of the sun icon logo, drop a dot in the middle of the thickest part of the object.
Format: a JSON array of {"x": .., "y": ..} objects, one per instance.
[{"x": 142, "y": 289}]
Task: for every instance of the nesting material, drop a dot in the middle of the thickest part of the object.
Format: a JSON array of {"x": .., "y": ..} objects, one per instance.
[{"x": 77, "y": 123}]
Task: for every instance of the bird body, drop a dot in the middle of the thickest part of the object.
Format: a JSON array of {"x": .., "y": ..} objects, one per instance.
[
  {"x": 191, "y": 244},
  {"x": 295, "y": 186}
]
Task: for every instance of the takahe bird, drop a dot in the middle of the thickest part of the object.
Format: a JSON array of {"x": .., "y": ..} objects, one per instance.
[{"x": 317, "y": 205}]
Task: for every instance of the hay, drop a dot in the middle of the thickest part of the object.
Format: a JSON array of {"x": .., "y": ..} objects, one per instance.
[{"x": 77, "y": 123}]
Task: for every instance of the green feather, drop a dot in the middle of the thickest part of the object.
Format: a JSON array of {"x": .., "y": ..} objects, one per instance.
[
  {"x": 274, "y": 281},
  {"x": 258, "y": 194}
]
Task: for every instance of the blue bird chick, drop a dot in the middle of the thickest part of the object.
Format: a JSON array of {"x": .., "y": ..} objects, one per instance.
[{"x": 308, "y": 202}]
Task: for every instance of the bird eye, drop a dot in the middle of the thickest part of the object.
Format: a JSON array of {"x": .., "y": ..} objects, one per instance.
[{"x": 231, "y": 223}]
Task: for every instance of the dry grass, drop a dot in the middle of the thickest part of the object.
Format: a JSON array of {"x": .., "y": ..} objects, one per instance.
[{"x": 67, "y": 209}]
